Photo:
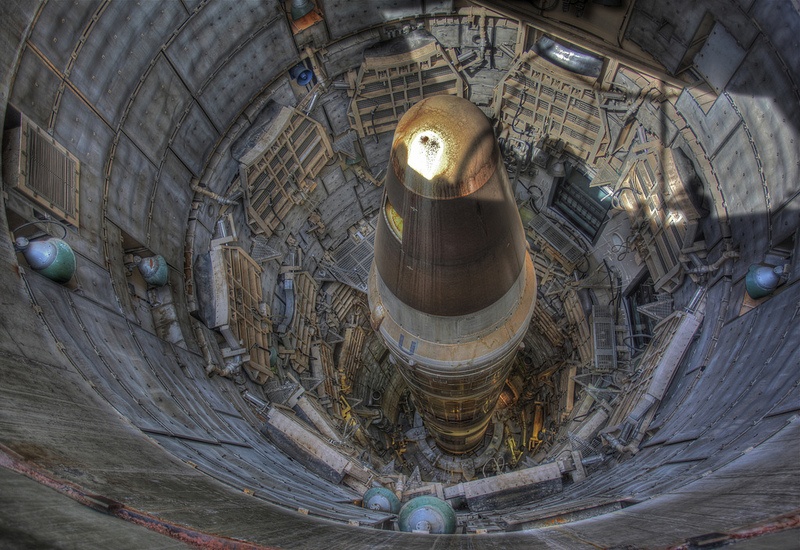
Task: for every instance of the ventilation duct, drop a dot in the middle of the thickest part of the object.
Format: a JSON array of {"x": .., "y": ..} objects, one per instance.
[{"x": 42, "y": 170}]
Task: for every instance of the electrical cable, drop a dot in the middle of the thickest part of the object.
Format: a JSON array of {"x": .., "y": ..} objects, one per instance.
[
  {"x": 47, "y": 221},
  {"x": 633, "y": 348},
  {"x": 583, "y": 272},
  {"x": 615, "y": 196},
  {"x": 522, "y": 99}
]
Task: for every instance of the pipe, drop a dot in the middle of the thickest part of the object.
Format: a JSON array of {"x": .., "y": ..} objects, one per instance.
[
  {"x": 222, "y": 230},
  {"x": 312, "y": 103},
  {"x": 259, "y": 403},
  {"x": 232, "y": 367},
  {"x": 507, "y": 50},
  {"x": 188, "y": 255},
  {"x": 462, "y": 58},
  {"x": 321, "y": 77},
  {"x": 572, "y": 60},
  {"x": 210, "y": 194},
  {"x": 711, "y": 268}
]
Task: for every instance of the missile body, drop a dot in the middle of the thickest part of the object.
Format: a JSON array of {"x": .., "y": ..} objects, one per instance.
[{"x": 452, "y": 287}]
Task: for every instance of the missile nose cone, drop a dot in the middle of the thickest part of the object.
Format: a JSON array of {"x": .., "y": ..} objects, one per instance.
[{"x": 452, "y": 242}]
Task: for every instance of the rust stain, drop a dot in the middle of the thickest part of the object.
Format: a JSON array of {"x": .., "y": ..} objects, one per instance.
[
  {"x": 17, "y": 462},
  {"x": 783, "y": 522},
  {"x": 786, "y": 521},
  {"x": 30, "y": 452},
  {"x": 181, "y": 533}
]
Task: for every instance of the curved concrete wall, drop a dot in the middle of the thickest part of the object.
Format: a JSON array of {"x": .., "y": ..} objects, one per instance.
[{"x": 144, "y": 93}]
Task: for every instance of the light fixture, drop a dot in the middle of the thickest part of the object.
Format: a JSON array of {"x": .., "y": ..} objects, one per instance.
[
  {"x": 154, "y": 269},
  {"x": 762, "y": 280},
  {"x": 300, "y": 8},
  {"x": 50, "y": 256}
]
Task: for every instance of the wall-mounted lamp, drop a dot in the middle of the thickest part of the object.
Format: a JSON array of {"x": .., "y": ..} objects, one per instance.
[
  {"x": 301, "y": 8},
  {"x": 762, "y": 280},
  {"x": 154, "y": 269},
  {"x": 52, "y": 257}
]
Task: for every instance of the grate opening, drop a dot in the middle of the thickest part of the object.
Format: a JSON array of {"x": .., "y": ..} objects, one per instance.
[{"x": 42, "y": 170}]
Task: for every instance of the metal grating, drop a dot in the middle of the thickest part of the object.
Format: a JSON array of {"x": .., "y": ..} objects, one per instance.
[
  {"x": 386, "y": 85},
  {"x": 300, "y": 331},
  {"x": 352, "y": 261},
  {"x": 280, "y": 170},
  {"x": 579, "y": 328},
  {"x": 567, "y": 254},
  {"x": 660, "y": 208},
  {"x": 44, "y": 171},
  {"x": 658, "y": 310},
  {"x": 540, "y": 99},
  {"x": 605, "y": 345},
  {"x": 262, "y": 252},
  {"x": 248, "y": 314}
]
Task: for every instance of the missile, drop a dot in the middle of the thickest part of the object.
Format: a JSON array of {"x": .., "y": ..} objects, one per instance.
[{"x": 452, "y": 287}]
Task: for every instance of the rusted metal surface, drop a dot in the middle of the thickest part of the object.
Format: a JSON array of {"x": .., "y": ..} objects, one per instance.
[
  {"x": 781, "y": 523},
  {"x": 179, "y": 532}
]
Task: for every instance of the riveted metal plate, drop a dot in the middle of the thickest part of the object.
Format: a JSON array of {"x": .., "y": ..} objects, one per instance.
[
  {"x": 81, "y": 353},
  {"x": 247, "y": 72},
  {"x": 132, "y": 180},
  {"x": 94, "y": 280},
  {"x": 766, "y": 98},
  {"x": 168, "y": 227},
  {"x": 213, "y": 34},
  {"x": 781, "y": 29},
  {"x": 118, "y": 50},
  {"x": 195, "y": 139},
  {"x": 157, "y": 109},
  {"x": 438, "y": 6},
  {"x": 59, "y": 28},
  {"x": 349, "y": 52},
  {"x": 340, "y": 210},
  {"x": 737, "y": 171},
  {"x": 81, "y": 132},
  {"x": 644, "y": 31},
  {"x": 352, "y": 16},
  {"x": 713, "y": 128},
  {"x": 786, "y": 221},
  {"x": 719, "y": 57},
  {"x": 35, "y": 89}
]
